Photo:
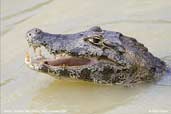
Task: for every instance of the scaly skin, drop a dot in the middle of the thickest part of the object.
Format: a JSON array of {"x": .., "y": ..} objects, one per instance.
[{"x": 119, "y": 59}]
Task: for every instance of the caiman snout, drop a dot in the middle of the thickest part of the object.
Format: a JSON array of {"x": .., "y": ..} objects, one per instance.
[{"x": 33, "y": 34}]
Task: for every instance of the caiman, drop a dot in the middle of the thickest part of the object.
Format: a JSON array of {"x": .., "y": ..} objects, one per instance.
[{"x": 96, "y": 55}]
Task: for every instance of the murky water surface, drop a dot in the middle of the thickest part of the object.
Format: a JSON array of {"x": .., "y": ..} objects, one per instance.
[{"x": 22, "y": 89}]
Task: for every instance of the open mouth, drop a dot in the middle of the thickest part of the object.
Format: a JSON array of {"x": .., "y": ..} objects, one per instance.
[
  {"x": 68, "y": 61},
  {"x": 59, "y": 60}
]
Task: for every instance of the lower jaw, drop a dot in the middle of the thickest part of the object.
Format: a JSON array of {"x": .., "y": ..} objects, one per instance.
[{"x": 70, "y": 61}]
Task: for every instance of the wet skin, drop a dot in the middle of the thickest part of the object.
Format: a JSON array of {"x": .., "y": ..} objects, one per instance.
[{"x": 94, "y": 55}]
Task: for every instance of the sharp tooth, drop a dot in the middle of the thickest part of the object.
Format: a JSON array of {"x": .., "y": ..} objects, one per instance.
[
  {"x": 66, "y": 54},
  {"x": 27, "y": 57},
  {"x": 63, "y": 54},
  {"x": 34, "y": 49},
  {"x": 64, "y": 65},
  {"x": 40, "y": 52},
  {"x": 57, "y": 56}
]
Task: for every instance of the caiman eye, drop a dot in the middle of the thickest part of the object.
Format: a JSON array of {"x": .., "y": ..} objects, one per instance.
[{"x": 94, "y": 40}]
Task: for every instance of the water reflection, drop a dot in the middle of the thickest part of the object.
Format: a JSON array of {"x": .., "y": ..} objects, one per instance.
[{"x": 83, "y": 97}]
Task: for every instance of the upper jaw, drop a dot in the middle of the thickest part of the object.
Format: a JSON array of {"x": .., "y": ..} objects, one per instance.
[
  {"x": 68, "y": 54},
  {"x": 59, "y": 60}
]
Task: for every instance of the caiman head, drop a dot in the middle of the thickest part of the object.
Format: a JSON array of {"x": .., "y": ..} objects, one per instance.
[{"x": 95, "y": 55}]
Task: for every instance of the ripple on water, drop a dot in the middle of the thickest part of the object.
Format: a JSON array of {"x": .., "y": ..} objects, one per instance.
[{"x": 11, "y": 20}]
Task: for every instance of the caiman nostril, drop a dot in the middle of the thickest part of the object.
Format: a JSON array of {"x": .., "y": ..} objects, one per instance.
[{"x": 29, "y": 34}]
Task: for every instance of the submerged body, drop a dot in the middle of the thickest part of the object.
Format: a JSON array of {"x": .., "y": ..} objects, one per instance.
[{"x": 95, "y": 55}]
